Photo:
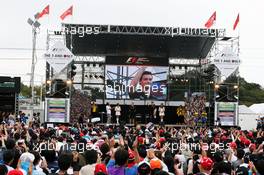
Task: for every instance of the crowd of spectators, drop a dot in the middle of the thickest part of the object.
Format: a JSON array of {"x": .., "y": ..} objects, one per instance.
[
  {"x": 80, "y": 105},
  {"x": 195, "y": 107},
  {"x": 90, "y": 149}
]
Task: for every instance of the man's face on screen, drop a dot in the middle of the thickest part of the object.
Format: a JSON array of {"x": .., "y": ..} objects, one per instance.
[{"x": 146, "y": 81}]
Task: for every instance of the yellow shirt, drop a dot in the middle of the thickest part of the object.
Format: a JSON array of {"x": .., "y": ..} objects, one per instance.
[{"x": 94, "y": 108}]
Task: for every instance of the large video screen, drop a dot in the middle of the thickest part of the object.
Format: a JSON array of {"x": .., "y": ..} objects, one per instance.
[
  {"x": 226, "y": 112},
  {"x": 57, "y": 110},
  {"x": 136, "y": 82}
]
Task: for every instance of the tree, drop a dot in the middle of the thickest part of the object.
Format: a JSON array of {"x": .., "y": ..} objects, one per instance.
[
  {"x": 26, "y": 91},
  {"x": 249, "y": 93}
]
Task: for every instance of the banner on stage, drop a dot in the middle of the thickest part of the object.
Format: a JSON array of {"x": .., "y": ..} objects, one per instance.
[
  {"x": 59, "y": 56},
  {"x": 227, "y": 61}
]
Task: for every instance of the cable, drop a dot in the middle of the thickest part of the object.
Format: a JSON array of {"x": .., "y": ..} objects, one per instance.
[
  {"x": 18, "y": 48},
  {"x": 22, "y": 58}
]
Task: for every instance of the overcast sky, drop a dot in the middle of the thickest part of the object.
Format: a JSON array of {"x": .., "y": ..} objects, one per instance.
[{"x": 16, "y": 36}]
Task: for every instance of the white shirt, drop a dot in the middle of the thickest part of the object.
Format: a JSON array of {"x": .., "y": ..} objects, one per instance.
[
  {"x": 162, "y": 111},
  {"x": 108, "y": 109},
  {"x": 118, "y": 110}
]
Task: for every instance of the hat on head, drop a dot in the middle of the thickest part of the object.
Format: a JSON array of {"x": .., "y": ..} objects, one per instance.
[
  {"x": 15, "y": 172},
  {"x": 143, "y": 168},
  {"x": 27, "y": 157},
  {"x": 161, "y": 131},
  {"x": 223, "y": 138},
  {"x": 141, "y": 140},
  {"x": 162, "y": 140},
  {"x": 233, "y": 145},
  {"x": 247, "y": 142},
  {"x": 250, "y": 134},
  {"x": 131, "y": 155},
  {"x": 206, "y": 163},
  {"x": 155, "y": 164},
  {"x": 100, "y": 168},
  {"x": 252, "y": 147}
]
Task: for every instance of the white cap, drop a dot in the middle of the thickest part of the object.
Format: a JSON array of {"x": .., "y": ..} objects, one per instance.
[{"x": 27, "y": 157}]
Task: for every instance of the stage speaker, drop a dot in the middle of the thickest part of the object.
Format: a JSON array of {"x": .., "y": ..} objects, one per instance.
[{"x": 59, "y": 89}]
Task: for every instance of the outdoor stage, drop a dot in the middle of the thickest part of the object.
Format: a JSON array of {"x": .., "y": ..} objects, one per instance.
[{"x": 109, "y": 59}]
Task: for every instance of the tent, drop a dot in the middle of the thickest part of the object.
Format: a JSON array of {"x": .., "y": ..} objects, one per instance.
[
  {"x": 258, "y": 108},
  {"x": 247, "y": 118}
]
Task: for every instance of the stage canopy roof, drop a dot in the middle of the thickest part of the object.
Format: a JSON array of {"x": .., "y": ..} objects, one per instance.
[{"x": 106, "y": 40}]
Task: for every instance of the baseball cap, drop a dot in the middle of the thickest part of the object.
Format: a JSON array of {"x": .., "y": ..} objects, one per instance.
[
  {"x": 233, "y": 145},
  {"x": 252, "y": 147},
  {"x": 100, "y": 168},
  {"x": 206, "y": 163},
  {"x": 141, "y": 140},
  {"x": 155, "y": 164},
  {"x": 162, "y": 139},
  {"x": 250, "y": 134},
  {"x": 15, "y": 172},
  {"x": 223, "y": 138},
  {"x": 247, "y": 142},
  {"x": 27, "y": 157},
  {"x": 143, "y": 168},
  {"x": 131, "y": 155}
]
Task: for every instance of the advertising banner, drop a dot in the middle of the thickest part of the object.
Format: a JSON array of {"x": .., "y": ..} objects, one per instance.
[
  {"x": 59, "y": 56},
  {"x": 227, "y": 62}
]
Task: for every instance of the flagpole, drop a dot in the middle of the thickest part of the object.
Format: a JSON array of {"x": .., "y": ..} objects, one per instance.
[{"x": 238, "y": 55}]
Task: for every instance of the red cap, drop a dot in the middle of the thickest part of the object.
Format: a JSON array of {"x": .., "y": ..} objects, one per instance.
[
  {"x": 100, "y": 168},
  {"x": 206, "y": 163},
  {"x": 242, "y": 139},
  {"x": 15, "y": 172},
  {"x": 223, "y": 138},
  {"x": 131, "y": 158},
  {"x": 252, "y": 147},
  {"x": 250, "y": 134},
  {"x": 131, "y": 155},
  {"x": 161, "y": 131},
  {"x": 141, "y": 140},
  {"x": 81, "y": 134},
  {"x": 162, "y": 139},
  {"x": 247, "y": 142},
  {"x": 233, "y": 145}
]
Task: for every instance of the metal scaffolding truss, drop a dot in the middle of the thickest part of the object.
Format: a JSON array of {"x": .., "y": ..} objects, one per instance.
[
  {"x": 53, "y": 37},
  {"x": 140, "y": 30},
  {"x": 82, "y": 29},
  {"x": 90, "y": 59},
  {"x": 219, "y": 45}
]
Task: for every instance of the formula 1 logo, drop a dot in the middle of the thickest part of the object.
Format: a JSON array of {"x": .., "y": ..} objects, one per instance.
[{"x": 136, "y": 60}]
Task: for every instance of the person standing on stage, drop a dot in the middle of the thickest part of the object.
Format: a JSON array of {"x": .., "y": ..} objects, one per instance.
[
  {"x": 117, "y": 112},
  {"x": 108, "y": 113},
  {"x": 93, "y": 109},
  {"x": 152, "y": 111},
  {"x": 162, "y": 112},
  {"x": 132, "y": 113}
]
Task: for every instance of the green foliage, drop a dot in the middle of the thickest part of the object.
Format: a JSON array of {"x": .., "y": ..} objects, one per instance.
[
  {"x": 26, "y": 90},
  {"x": 249, "y": 93}
]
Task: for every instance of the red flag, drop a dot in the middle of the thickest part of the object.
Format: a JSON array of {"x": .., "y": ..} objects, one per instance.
[
  {"x": 211, "y": 20},
  {"x": 66, "y": 13},
  {"x": 45, "y": 11},
  {"x": 236, "y": 22}
]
